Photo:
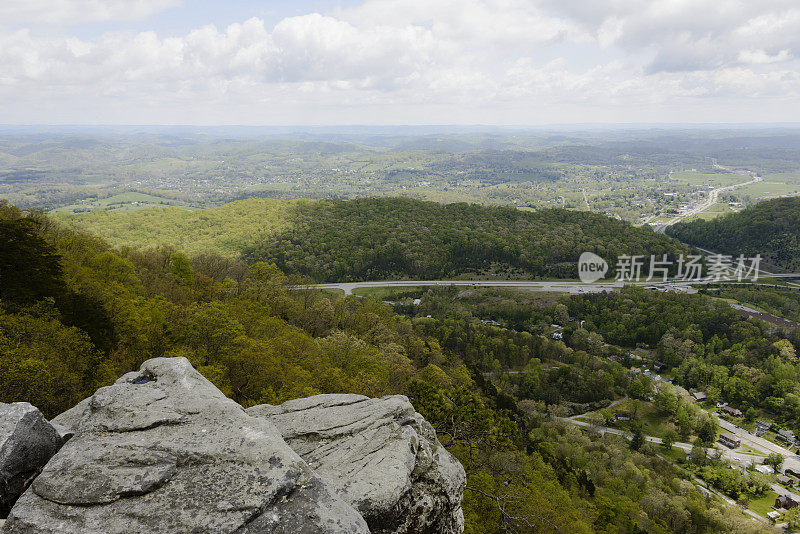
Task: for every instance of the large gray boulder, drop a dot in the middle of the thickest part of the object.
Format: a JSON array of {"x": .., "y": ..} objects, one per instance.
[
  {"x": 163, "y": 450},
  {"x": 27, "y": 442},
  {"x": 66, "y": 422},
  {"x": 380, "y": 455}
]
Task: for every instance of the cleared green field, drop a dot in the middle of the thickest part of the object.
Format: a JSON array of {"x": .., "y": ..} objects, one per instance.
[
  {"x": 762, "y": 504},
  {"x": 769, "y": 189},
  {"x": 333, "y": 292},
  {"x": 699, "y": 178},
  {"x": 129, "y": 201},
  {"x": 654, "y": 422},
  {"x": 712, "y": 212},
  {"x": 783, "y": 177},
  {"x": 675, "y": 454}
]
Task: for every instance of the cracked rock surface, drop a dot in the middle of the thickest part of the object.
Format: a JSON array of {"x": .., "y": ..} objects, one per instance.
[
  {"x": 163, "y": 450},
  {"x": 380, "y": 455},
  {"x": 27, "y": 442}
]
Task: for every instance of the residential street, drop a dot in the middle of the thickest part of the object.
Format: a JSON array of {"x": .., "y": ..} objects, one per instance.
[
  {"x": 791, "y": 460},
  {"x": 732, "y": 455}
]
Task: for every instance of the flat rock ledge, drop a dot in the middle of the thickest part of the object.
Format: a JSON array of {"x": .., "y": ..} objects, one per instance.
[
  {"x": 380, "y": 455},
  {"x": 163, "y": 450}
]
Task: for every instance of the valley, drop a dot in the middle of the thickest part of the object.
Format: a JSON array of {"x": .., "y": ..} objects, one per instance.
[
  {"x": 638, "y": 176},
  {"x": 571, "y": 406}
]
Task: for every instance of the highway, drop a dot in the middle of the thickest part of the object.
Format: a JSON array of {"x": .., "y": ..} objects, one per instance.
[
  {"x": 713, "y": 196},
  {"x": 555, "y": 286},
  {"x": 566, "y": 286}
]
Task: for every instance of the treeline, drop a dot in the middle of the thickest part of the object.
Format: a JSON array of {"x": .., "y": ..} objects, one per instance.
[
  {"x": 76, "y": 313},
  {"x": 770, "y": 228},
  {"x": 372, "y": 239}
]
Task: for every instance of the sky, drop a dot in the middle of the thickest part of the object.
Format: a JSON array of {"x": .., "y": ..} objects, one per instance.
[{"x": 325, "y": 62}]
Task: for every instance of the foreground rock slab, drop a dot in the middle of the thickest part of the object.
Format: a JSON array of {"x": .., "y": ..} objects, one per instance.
[
  {"x": 163, "y": 450},
  {"x": 380, "y": 455},
  {"x": 27, "y": 442}
]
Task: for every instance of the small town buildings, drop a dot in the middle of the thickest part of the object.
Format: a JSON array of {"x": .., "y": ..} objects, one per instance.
[
  {"x": 651, "y": 375},
  {"x": 785, "y": 502},
  {"x": 774, "y": 515},
  {"x": 766, "y": 469},
  {"x": 784, "y": 480},
  {"x": 729, "y": 440},
  {"x": 622, "y": 416},
  {"x": 786, "y": 436},
  {"x": 699, "y": 396},
  {"x": 762, "y": 427},
  {"x": 735, "y": 412}
]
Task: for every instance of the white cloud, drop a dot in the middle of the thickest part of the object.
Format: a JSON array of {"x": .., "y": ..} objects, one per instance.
[
  {"x": 688, "y": 35},
  {"x": 760, "y": 57},
  {"x": 479, "y": 22},
  {"x": 523, "y": 60},
  {"x": 76, "y": 11}
]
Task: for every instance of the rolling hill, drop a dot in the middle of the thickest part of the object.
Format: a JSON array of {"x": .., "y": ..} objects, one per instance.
[
  {"x": 379, "y": 238},
  {"x": 770, "y": 228}
]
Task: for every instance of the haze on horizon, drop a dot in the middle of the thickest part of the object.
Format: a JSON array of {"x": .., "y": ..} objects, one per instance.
[{"x": 373, "y": 62}]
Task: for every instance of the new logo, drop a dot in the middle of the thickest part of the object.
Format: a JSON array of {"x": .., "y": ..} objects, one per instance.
[{"x": 591, "y": 267}]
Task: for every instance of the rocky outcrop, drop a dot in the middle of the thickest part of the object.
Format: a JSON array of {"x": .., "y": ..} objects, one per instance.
[
  {"x": 27, "y": 442},
  {"x": 162, "y": 450},
  {"x": 380, "y": 455},
  {"x": 66, "y": 423}
]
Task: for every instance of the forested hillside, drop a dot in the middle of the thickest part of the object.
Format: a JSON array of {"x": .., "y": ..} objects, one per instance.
[
  {"x": 373, "y": 239},
  {"x": 76, "y": 313},
  {"x": 770, "y": 228},
  {"x": 226, "y": 229}
]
